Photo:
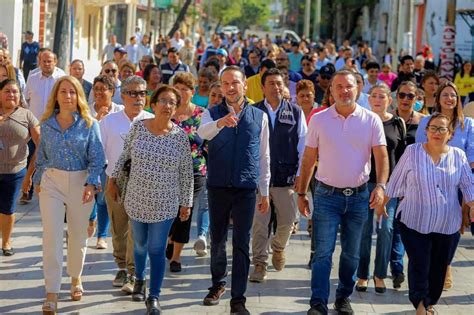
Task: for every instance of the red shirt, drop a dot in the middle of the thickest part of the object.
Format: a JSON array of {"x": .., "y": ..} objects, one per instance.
[{"x": 314, "y": 111}]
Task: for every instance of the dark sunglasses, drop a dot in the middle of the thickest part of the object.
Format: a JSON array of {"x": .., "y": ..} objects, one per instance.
[
  {"x": 325, "y": 77},
  {"x": 410, "y": 96},
  {"x": 135, "y": 94},
  {"x": 110, "y": 70}
]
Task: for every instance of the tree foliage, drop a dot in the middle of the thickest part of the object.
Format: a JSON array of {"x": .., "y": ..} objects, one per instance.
[{"x": 243, "y": 13}]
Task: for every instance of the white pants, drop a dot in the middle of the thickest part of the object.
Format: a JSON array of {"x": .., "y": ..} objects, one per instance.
[{"x": 61, "y": 191}]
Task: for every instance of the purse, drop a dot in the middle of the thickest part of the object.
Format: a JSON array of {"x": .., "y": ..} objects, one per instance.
[{"x": 124, "y": 176}]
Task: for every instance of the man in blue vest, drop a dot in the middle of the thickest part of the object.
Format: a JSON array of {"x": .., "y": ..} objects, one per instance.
[
  {"x": 287, "y": 142},
  {"x": 211, "y": 50},
  {"x": 238, "y": 165},
  {"x": 173, "y": 66}
]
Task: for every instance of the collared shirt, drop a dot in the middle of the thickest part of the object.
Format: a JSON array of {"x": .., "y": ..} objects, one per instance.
[
  {"x": 178, "y": 44},
  {"x": 113, "y": 109},
  {"x": 77, "y": 148},
  {"x": 144, "y": 51},
  {"x": 208, "y": 130},
  {"x": 462, "y": 138},
  {"x": 38, "y": 89},
  {"x": 109, "y": 50},
  {"x": 322, "y": 63},
  {"x": 363, "y": 100},
  {"x": 132, "y": 53},
  {"x": 302, "y": 130},
  {"x": 114, "y": 128},
  {"x": 345, "y": 145},
  {"x": 430, "y": 191}
]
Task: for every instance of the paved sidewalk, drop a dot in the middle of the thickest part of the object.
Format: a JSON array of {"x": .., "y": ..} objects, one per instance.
[{"x": 286, "y": 292}]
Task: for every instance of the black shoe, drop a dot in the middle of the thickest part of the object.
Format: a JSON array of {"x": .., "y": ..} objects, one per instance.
[
  {"x": 169, "y": 250},
  {"x": 398, "y": 280},
  {"x": 361, "y": 288},
  {"x": 153, "y": 306},
  {"x": 8, "y": 252},
  {"x": 343, "y": 306},
  {"x": 239, "y": 309},
  {"x": 139, "y": 290},
  {"x": 379, "y": 290},
  {"x": 175, "y": 266},
  {"x": 318, "y": 309},
  {"x": 214, "y": 295}
]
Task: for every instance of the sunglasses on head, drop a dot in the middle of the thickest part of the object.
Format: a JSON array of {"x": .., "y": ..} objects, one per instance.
[
  {"x": 110, "y": 70},
  {"x": 410, "y": 96}
]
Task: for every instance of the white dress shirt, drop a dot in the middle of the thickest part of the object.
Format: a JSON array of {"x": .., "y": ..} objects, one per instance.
[
  {"x": 302, "y": 130},
  {"x": 38, "y": 89},
  {"x": 113, "y": 109},
  {"x": 208, "y": 130},
  {"x": 178, "y": 44},
  {"x": 113, "y": 129}
]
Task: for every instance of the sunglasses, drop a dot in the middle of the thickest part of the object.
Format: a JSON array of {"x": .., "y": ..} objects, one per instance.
[
  {"x": 135, "y": 94},
  {"x": 110, "y": 70},
  {"x": 410, "y": 96},
  {"x": 325, "y": 77}
]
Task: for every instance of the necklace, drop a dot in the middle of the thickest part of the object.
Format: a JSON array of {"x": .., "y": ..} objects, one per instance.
[{"x": 408, "y": 122}]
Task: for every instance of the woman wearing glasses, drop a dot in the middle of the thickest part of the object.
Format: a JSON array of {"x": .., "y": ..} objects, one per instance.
[
  {"x": 448, "y": 102},
  {"x": 160, "y": 186},
  {"x": 110, "y": 69},
  {"x": 430, "y": 215},
  {"x": 308, "y": 69}
]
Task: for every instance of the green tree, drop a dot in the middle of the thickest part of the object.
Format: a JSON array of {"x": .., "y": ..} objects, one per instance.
[{"x": 243, "y": 13}]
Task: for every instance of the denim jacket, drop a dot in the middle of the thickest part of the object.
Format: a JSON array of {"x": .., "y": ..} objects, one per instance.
[{"x": 74, "y": 149}]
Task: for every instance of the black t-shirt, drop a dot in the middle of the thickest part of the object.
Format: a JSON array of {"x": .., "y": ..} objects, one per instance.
[{"x": 395, "y": 136}]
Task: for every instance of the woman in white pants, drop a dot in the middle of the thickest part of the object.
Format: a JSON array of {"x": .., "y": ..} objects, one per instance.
[{"x": 69, "y": 162}]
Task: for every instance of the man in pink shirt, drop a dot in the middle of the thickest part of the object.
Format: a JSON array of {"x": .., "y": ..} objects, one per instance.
[{"x": 341, "y": 138}]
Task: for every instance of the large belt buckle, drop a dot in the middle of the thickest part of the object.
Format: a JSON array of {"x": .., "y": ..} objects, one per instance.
[{"x": 348, "y": 192}]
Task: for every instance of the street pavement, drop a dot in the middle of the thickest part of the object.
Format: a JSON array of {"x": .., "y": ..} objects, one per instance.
[{"x": 285, "y": 292}]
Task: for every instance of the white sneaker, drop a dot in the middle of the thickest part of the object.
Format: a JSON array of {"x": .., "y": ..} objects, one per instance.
[{"x": 200, "y": 246}]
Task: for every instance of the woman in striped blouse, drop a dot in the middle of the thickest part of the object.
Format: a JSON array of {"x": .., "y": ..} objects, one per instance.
[{"x": 430, "y": 215}]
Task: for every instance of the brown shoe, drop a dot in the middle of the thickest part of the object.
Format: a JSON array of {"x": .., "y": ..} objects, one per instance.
[
  {"x": 448, "y": 280},
  {"x": 214, "y": 295},
  {"x": 259, "y": 274},
  {"x": 278, "y": 260}
]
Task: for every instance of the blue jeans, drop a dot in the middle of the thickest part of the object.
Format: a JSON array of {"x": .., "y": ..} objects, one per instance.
[
  {"x": 398, "y": 250},
  {"x": 149, "y": 239},
  {"x": 332, "y": 209},
  {"x": 100, "y": 210},
  {"x": 384, "y": 242},
  {"x": 202, "y": 219},
  {"x": 10, "y": 189}
]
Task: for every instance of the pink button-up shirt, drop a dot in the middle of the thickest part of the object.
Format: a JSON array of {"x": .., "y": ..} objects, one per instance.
[{"x": 344, "y": 145}]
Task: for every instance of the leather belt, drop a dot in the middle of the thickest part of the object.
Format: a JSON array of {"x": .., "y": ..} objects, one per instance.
[{"x": 349, "y": 191}]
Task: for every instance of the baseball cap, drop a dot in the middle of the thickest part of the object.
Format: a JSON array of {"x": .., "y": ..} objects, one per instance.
[
  {"x": 326, "y": 70},
  {"x": 222, "y": 51},
  {"x": 120, "y": 50}
]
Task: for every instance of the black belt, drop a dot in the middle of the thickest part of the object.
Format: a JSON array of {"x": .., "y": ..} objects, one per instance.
[{"x": 349, "y": 191}]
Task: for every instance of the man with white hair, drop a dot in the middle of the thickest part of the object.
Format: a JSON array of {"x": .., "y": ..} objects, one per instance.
[{"x": 177, "y": 42}]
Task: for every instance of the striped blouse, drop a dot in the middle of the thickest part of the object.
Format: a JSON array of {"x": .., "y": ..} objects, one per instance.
[{"x": 430, "y": 191}]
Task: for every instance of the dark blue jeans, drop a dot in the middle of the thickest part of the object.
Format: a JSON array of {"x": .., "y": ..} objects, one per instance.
[
  {"x": 241, "y": 202},
  {"x": 332, "y": 209},
  {"x": 149, "y": 239},
  {"x": 428, "y": 257},
  {"x": 384, "y": 242},
  {"x": 10, "y": 186},
  {"x": 398, "y": 250}
]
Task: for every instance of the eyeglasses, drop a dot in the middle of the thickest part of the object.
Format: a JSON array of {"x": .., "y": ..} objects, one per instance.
[
  {"x": 164, "y": 101},
  {"x": 402, "y": 95},
  {"x": 110, "y": 70},
  {"x": 135, "y": 94},
  {"x": 434, "y": 129},
  {"x": 100, "y": 90}
]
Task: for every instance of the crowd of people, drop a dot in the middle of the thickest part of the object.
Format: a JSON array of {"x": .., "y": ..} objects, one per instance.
[{"x": 249, "y": 133}]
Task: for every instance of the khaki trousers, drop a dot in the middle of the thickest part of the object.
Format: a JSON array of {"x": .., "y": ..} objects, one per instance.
[
  {"x": 285, "y": 209},
  {"x": 61, "y": 191},
  {"x": 121, "y": 231}
]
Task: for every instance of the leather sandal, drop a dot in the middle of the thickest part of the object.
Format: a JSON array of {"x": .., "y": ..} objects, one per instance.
[
  {"x": 76, "y": 292},
  {"x": 50, "y": 307}
]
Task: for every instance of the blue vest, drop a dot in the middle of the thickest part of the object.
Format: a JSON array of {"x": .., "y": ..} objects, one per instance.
[
  {"x": 234, "y": 153},
  {"x": 283, "y": 144},
  {"x": 167, "y": 72}
]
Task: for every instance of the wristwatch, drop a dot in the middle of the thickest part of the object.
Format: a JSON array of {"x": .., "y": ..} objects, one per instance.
[{"x": 383, "y": 186}]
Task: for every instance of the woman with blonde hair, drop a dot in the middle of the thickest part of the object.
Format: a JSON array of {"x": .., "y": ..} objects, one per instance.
[{"x": 70, "y": 159}]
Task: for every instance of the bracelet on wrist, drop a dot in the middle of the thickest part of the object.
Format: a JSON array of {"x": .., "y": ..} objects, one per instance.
[{"x": 301, "y": 194}]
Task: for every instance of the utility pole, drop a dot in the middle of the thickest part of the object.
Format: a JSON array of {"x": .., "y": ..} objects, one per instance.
[
  {"x": 307, "y": 18},
  {"x": 61, "y": 34},
  {"x": 449, "y": 39},
  {"x": 317, "y": 21}
]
